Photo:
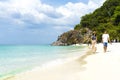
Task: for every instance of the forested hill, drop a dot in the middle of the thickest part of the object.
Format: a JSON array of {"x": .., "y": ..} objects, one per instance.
[{"x": 107, "y": 17}]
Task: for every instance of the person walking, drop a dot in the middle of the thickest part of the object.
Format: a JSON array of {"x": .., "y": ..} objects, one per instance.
[
  {"x": 94, "y": 42},
  {"x": 105, "y": 40}
]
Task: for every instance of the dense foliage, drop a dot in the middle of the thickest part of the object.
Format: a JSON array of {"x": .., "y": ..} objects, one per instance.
[{"x": 107, "y": 17}]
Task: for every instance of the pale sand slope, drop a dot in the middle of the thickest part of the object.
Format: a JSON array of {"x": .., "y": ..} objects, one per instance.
[
  {"x": 103, "y": 66},
  {"x": 99, "y": 66}
]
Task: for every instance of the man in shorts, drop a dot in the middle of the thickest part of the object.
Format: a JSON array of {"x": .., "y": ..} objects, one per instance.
[{"x": 105, "y": 40}]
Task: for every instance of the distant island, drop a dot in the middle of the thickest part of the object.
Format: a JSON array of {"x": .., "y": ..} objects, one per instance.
[{"x": 107, "y": 17}]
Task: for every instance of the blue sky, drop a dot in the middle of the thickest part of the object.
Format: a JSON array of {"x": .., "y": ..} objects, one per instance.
[
  {"x": 40, "y": 21},
  {"x": 62, "y": 2}
]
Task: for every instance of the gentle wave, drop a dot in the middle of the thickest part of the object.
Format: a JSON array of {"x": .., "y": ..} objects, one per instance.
[{"x": 23, "y": 58}]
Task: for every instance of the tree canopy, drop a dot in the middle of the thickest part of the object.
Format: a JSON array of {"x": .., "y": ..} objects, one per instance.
[{"x": 107, "y": 17}]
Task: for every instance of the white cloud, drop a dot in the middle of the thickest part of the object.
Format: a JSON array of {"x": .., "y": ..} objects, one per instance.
[
  {"x": 93, "y": 4},
  {"x": 36, "y": 12},
  {"x": 73, "y": 11},
  {"x": 31, "y": 21}
]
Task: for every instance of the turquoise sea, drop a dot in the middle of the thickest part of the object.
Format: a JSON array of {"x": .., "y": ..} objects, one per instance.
[{"x": 18, "y": 58}]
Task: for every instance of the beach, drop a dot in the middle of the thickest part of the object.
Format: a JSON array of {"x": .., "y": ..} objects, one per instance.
[{"x": 98, "y": 66}]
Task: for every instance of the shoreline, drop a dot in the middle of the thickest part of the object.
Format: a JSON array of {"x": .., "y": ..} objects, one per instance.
[
  {"x": 89, "y": 66},
  {"x": 50, "y": 65}
]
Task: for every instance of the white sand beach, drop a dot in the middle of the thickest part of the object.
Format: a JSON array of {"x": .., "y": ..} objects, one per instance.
[{"x": 99, "y": 66}]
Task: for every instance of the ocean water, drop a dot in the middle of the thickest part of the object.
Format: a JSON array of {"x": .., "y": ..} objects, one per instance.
[{"x": 17, "y": 58}]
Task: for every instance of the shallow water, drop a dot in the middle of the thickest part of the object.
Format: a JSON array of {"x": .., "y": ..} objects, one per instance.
[{"x": 16, "y": 58}]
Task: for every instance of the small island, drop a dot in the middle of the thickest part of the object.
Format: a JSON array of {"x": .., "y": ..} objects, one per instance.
[{"x": 107, "y": 17}]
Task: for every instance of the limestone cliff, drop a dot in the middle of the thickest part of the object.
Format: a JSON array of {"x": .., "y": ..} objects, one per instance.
[{"x": 73, "y": 37}]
